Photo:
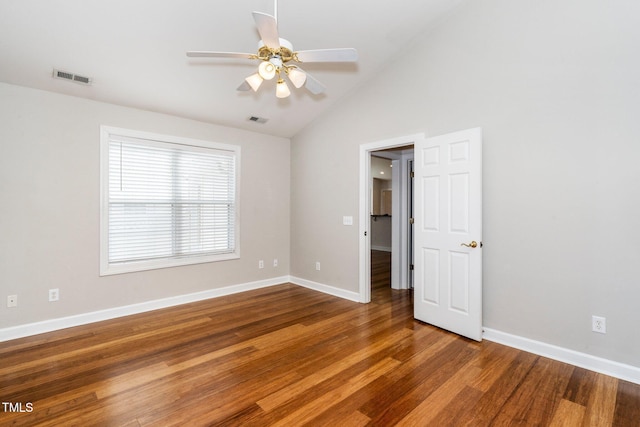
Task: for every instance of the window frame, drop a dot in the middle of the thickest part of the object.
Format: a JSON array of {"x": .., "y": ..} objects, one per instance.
[{"x": 107, "y": 268}]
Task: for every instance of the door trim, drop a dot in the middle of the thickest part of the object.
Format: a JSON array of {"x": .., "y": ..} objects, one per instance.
[{"x": 365, "y": 201}]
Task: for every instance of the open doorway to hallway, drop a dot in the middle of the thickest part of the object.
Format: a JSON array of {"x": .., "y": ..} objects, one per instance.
[
  {"x": 391, "y": 196},
  {"x": 448, "y": 205},
  {"x": 394, "y": 148}
]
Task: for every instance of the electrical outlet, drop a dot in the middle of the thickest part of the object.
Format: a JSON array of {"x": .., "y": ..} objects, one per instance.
[
  {"x": 54, "y": 294},
  {"x": 318, "y": 266},
  {"x": 599, "y": 324},
  {"x": 275, "y": 262},
  {"x": 12, "y": 301},
  {"x": 261, "y": 264}
]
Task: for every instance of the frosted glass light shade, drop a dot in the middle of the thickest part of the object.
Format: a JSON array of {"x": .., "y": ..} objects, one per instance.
[
  {"x": 282, "y": 90},
  {"x": 267, "y": 70},
  {"x": 254, "y": 81},
  {"x": 297, "y": 77}
]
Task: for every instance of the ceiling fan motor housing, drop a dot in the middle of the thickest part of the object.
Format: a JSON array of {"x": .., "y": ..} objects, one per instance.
[{"x": 284, "y": 51}]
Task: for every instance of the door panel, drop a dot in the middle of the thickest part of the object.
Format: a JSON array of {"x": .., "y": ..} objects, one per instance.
[
  {"x": 448, "y": 200},
  {"x": 459, "y": 202},
  {"x": 431, "y": 203},
  {"x": 459, "y": 282},
  {"x": 431, "y": 263}
]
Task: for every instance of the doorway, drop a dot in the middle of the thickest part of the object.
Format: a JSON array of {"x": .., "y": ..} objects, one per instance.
[
  {"x": 448, "y": 236},
  {"x": 399, "y": 151},
  {"x": 391, "y": 214}
]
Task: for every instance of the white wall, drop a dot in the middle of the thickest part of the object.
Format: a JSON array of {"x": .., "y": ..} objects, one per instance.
[
  {"x": 49, "y": 211},
  {"x": 554, "y": 85}
]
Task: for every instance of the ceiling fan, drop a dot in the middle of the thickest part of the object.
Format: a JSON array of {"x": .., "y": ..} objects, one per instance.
[{"x": 278, "y": 59}]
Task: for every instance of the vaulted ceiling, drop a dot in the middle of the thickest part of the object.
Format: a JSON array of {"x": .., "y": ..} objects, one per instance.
[{"x": 134, "y": 52}]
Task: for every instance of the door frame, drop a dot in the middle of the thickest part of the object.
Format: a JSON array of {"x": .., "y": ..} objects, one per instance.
[{"x": 365, "y": 202}]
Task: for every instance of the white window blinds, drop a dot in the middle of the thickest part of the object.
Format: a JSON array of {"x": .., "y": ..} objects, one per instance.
[{"x": 168, "y": 201}]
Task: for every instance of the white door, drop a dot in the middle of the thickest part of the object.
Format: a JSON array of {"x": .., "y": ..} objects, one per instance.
[{"x": 448, "y": 232}]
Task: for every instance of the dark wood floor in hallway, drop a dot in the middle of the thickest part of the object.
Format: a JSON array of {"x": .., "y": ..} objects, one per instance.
[{"x": 288, "y": 356}]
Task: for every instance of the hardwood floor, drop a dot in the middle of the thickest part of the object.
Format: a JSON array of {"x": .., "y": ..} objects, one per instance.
[{"x": 286, "y": 355}]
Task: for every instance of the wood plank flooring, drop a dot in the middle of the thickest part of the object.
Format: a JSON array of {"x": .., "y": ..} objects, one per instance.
[{"x": 287, "y": 356}]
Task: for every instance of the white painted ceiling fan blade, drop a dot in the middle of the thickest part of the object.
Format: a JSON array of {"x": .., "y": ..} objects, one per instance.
[
  {"x": 268, "y": 29},
  {"x": 313, "y": 85},
  {"x": 207, "y": 54},
  {"x": 328, "y": 55}
]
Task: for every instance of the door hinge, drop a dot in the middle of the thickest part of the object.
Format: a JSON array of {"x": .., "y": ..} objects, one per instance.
[
  {"x": 413, "y": 175},
  {"x": 410, "y": 220}
]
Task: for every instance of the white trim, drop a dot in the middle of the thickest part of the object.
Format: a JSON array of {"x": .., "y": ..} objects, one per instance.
[
  {"x": 400, "y": 260},
  {"x": 154, "y": 139},
  {"x": 396, "y": 224},
  {"x": 364, "y": 275},
  {"x": 29, "y": 329},
  {"x": 576, "y": 358},
  {"x": 336, "y": 292}
]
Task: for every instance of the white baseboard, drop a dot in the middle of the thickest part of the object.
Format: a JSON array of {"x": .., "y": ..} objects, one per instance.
[
  {"x": 336, "y": 292},
  {"x": 593, "y": 363},
  {"x": 29, "y": 329}
]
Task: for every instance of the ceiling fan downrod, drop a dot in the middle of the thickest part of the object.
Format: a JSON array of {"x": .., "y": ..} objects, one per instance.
[{"x": 275, "y": 9}]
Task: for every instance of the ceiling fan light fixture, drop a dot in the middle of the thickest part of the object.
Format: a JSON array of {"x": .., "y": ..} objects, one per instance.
[
  {"x": 282, "y": 90},
  {"x": 277, "y": 55},
  {"x": 254, "y": 81},
  {"x": 267, "y": 70},
  {"x": 296, "y": 76}
]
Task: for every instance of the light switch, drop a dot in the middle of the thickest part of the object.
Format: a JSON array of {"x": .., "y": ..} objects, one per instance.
[{"x": 347, "y": 220}]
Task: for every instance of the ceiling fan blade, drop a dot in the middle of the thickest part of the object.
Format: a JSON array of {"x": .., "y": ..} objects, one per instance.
[
  {"x": 268, "y": 29},
  {"x": 206, "y": 54},
  {"x": 328, "y": 55},
  {"x": 313, "y": 85}
]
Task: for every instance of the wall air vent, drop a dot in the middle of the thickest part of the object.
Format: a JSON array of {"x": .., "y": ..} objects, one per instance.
[
  {"x": 65, "y": 75},
  {"x": 260, "y": 120}
]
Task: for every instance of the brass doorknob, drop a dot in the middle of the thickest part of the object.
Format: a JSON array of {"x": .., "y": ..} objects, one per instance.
[{"x": 473, "y": 244}]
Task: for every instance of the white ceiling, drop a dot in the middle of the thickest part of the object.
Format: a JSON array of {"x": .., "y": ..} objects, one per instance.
[{"x": 134, "y": 50}]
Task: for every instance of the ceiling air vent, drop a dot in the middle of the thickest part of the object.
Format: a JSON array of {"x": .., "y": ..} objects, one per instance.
[
  {"x": 65, "y": 75},
  {"x": 260, "y": 120}
]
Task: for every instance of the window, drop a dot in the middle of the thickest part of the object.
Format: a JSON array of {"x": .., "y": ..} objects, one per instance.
[{"x": 166, "y": 201}]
